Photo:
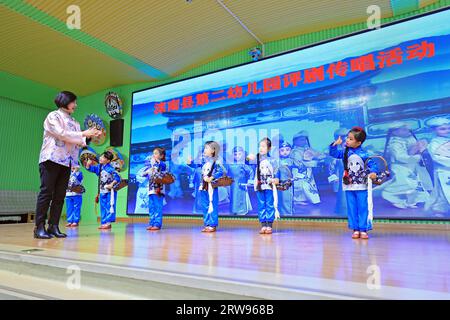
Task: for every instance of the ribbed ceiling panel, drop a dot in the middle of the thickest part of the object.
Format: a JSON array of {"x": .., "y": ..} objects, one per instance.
[
  {"x": 171, "y": 35},
  {"x": 36, "y": 52},
  {"x": 272, "y": 20},
  {"x": 120, "y": 39}
]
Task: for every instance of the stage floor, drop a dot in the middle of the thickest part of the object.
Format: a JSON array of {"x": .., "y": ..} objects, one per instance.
[{"x": 311, "y": 261}]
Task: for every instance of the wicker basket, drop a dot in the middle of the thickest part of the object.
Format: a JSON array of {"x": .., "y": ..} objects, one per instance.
[
  {"x": 122, "y": 184},
  {"x": 381, "y": 177},
  {"x": 78, "y": 189},
  {"x": 165, "y": 178},
  {"x": 223, "y": 181}
]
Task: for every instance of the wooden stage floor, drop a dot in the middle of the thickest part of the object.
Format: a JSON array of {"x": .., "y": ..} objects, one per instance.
[{"x": 311, "y": 262}]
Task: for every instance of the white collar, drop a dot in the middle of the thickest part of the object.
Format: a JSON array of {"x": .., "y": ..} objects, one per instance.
[{"x": 64, "y": 113}]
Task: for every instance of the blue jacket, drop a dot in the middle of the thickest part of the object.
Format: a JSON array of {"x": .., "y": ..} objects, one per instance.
[
  {"x": 76, "y": 178},
  {"x": 107, "y": 175},
  {"x": 206, "y": 168},
  {"x": 268, "y": 169},
  {"x": 154, "y": 169},
  {"x": 357, "y": 170}
]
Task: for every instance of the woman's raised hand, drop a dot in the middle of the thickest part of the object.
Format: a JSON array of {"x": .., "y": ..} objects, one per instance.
[
  {"x": 91, "y": 132},
  {"x": 88, "y": 133}
]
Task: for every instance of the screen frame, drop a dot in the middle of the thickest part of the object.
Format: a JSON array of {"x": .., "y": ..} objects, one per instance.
[{"x": 447, "y": 8}]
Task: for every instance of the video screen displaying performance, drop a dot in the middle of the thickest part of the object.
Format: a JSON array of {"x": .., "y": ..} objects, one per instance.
[{"x": 393, "y": 82}]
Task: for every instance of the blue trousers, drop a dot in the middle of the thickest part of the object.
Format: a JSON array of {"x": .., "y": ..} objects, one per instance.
[
  {"x": 266, "y": 210},
  {"x": 357, "y": 210},
  {"x": 105, "y": 206},
  {"x": 210, "y": 219},
  {"x": 73, "y": 204},
  {"x": 155, "y": 206}
]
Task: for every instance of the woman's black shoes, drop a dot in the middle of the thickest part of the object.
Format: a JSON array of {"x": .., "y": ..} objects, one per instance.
[
  {"x": 41, "y": 233},
  {"x": 53, "y": 230}
]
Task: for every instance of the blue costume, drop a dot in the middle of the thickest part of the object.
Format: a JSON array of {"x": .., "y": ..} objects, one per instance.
[
  {"x": 265, "y": 173},
  {"x": 74, "y": 200},
  {"x": 356, "y": 191},
  {"x": 155, "y": 192},
  {"x": 107, "y": 175},
  {"x": 211, "y": 219},
  {"x": 240, "y": 201}
]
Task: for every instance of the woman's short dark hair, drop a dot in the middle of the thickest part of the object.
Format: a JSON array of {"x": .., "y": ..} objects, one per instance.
[
  {"x": 64, "y": 98},
  {"x": 359, "y": 133},
  {"x": 108, "y": 155}
]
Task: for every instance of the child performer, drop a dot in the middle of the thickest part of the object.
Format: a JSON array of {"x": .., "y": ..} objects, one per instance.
[
  {"x": 74, "y": 198},
  {"x": 265, "y": 185},
  {"x": 355, "y": 180},
  {"x": 108, "y": 178},
  {"x": 209, "y": 196},
  {"x": 155, "y": 190},
  {"x": 241, "y": 173}
]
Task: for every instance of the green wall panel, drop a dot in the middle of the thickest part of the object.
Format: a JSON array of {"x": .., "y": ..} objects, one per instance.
[
  {"x": 21, "y": 132},
  {"x": 27, "y": 91}
]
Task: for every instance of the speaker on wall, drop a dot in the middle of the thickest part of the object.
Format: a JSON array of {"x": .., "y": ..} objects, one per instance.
[{"x": 116, "y": 132}]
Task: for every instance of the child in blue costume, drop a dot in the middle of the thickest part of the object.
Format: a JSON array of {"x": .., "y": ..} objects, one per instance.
[
  {"x": 241, "y": 173},
  {"x": 108, "y": 179},
  {"x": 209, "y": 196},
  {"x": 155, "y": 190},
  {"x": 355, "y": 180},
  {"x": 265, "y": 180},
  {"x": 74, "y": 199}
]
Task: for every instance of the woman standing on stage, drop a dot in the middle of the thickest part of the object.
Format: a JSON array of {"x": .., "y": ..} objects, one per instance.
[{"x": 59, "y": 152}]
